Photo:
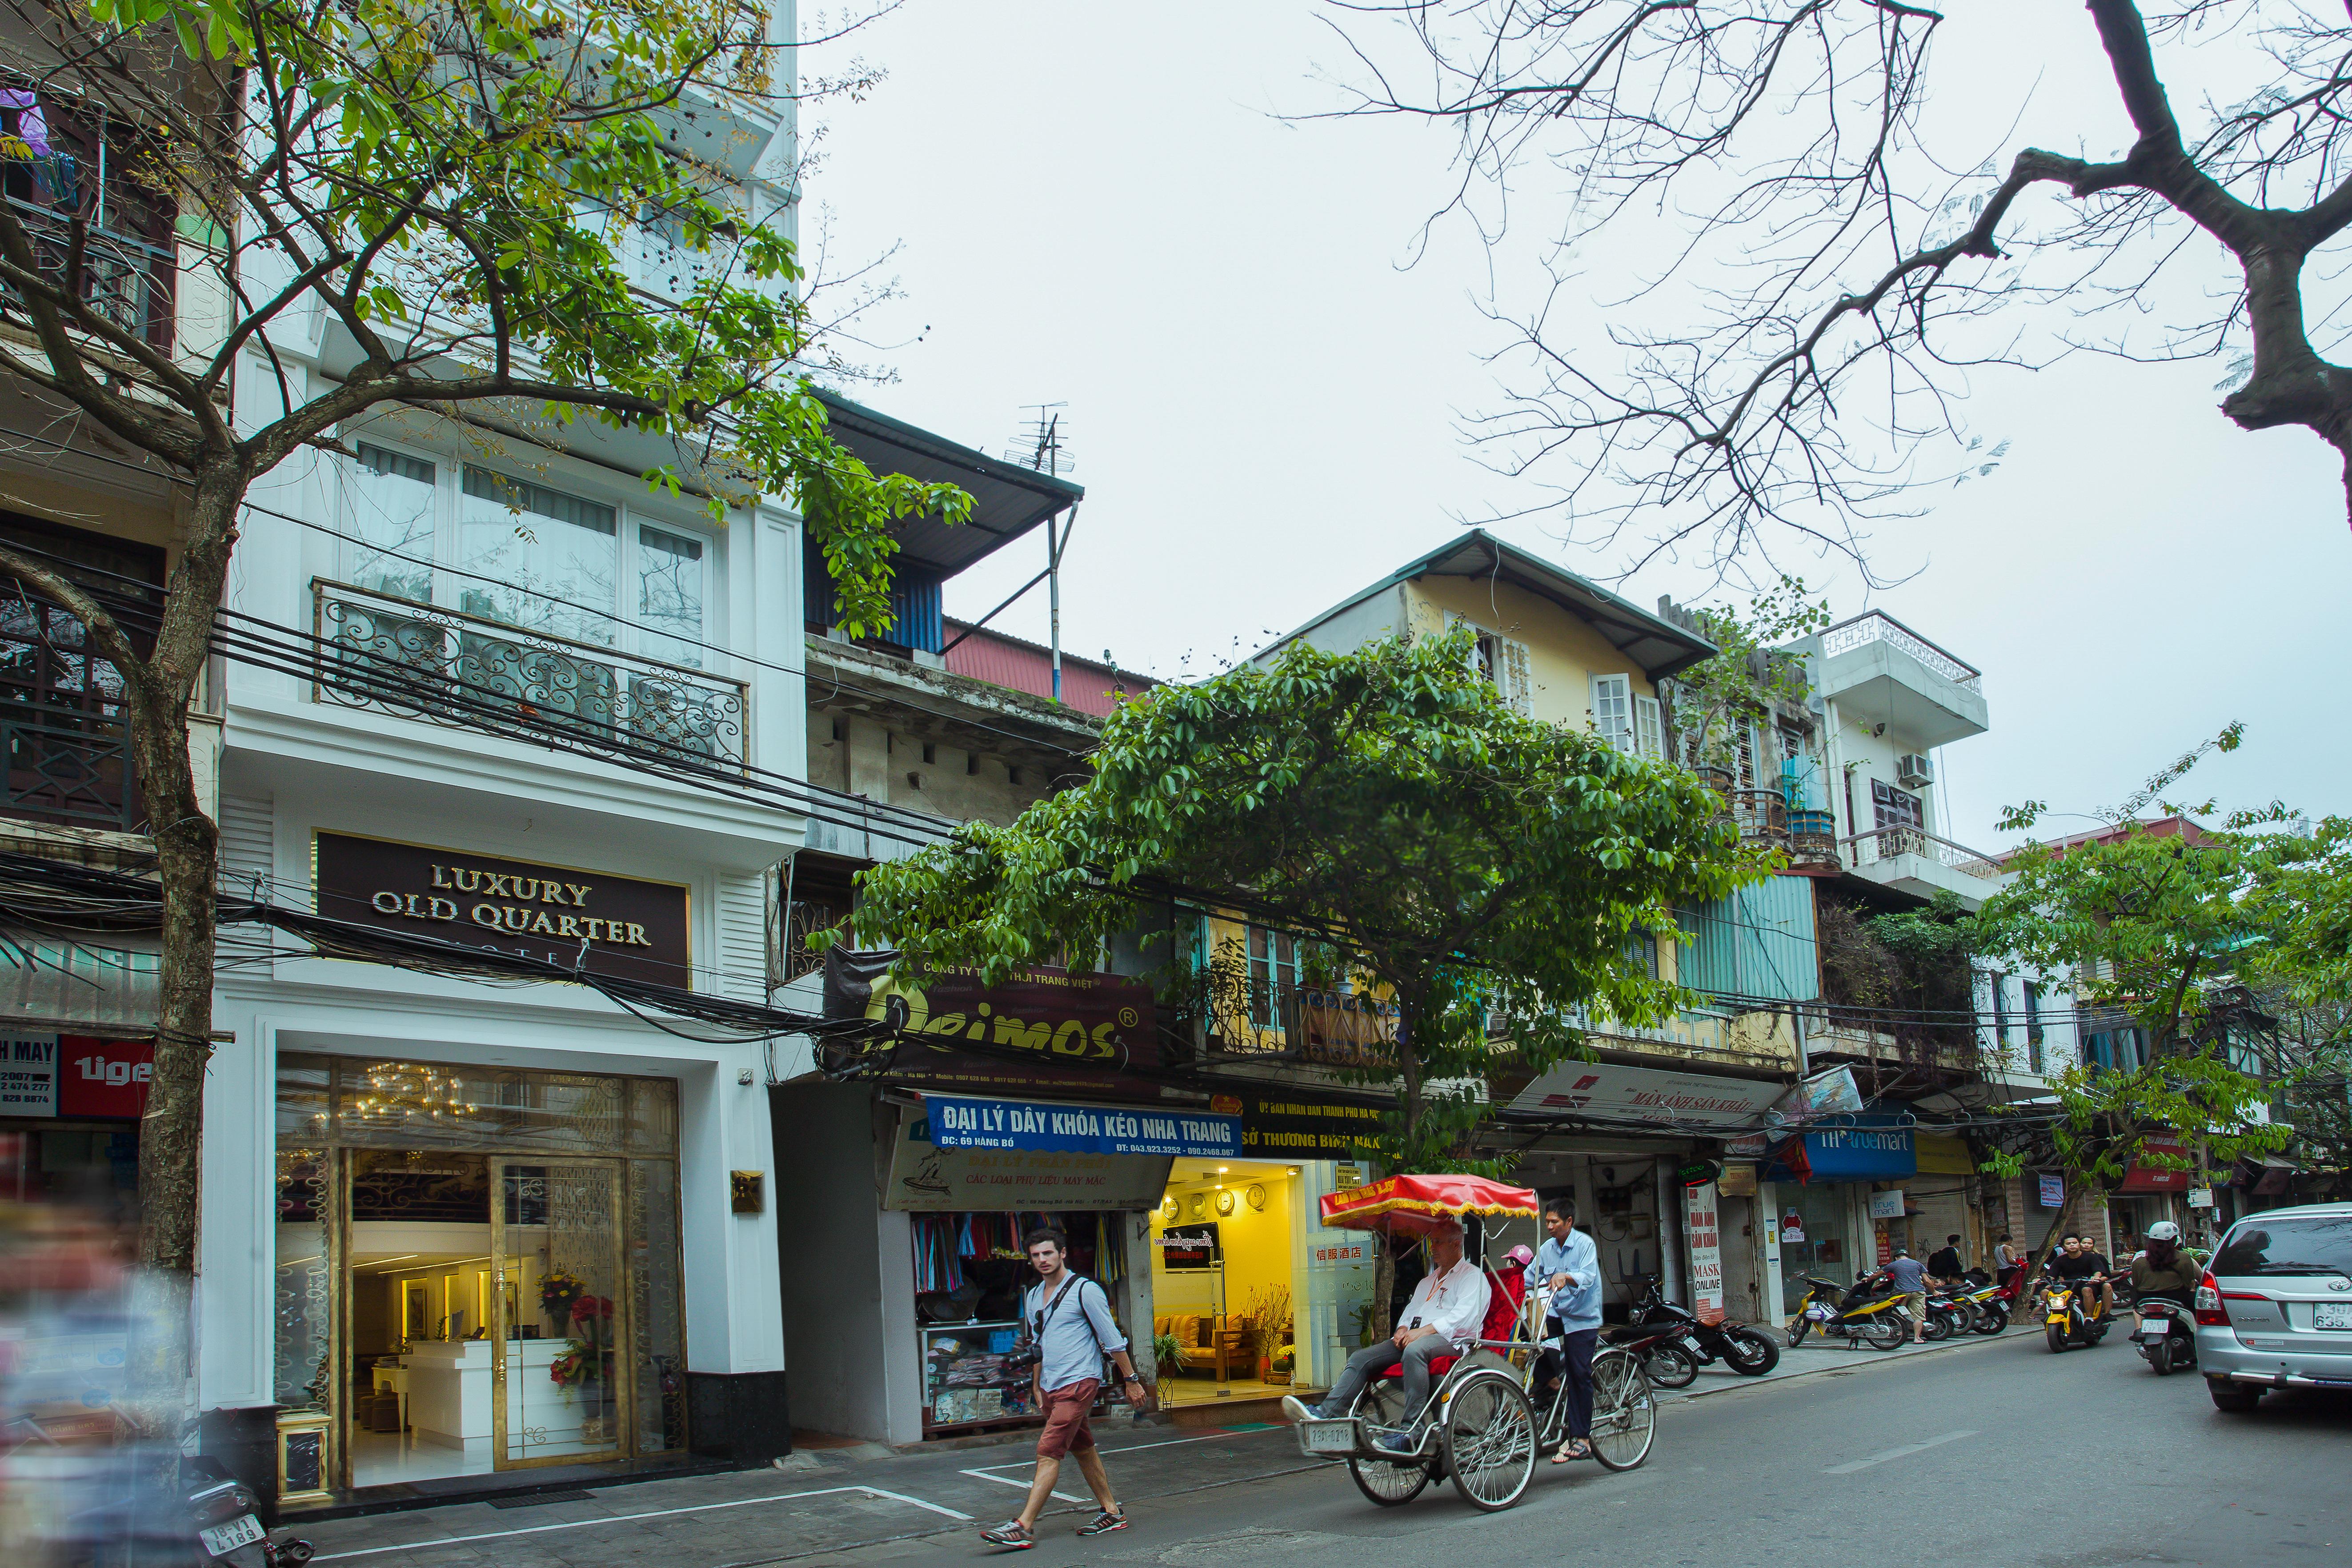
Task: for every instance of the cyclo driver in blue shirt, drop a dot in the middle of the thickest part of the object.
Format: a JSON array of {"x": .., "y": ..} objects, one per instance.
[{"x": 1566, "y": 1276}]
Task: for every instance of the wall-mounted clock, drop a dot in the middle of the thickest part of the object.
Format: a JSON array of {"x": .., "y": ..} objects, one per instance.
[
  {"x": 1167, "y": 1208},
  {"x": 1200, "y": 1204},
  {"x": 1257, "y": 1195},
  {"x": 1225, "y": 1202}
]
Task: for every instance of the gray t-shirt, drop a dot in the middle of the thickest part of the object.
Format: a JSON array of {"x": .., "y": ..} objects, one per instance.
[
  {"x": 1909, "y": 1274},
  {"x": 1077, "y": 1334}
]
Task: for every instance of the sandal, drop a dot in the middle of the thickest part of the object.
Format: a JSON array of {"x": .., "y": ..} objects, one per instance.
[{"x": 1573, "y": 1449}]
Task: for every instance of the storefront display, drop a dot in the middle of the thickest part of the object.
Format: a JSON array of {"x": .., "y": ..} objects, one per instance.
[
  {"x": 478, "y": 1267},
  {"x": 971, "y": 1273}
]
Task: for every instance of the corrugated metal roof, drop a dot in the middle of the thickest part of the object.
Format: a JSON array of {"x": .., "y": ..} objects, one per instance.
[
  {"x": 1008, "y": 501},
  {"x": 1088, "y": 686}
]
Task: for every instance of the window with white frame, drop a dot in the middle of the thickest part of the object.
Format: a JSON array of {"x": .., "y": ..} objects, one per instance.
[
  {"x": 1503, "y": 663},
  {"x": 1273, "y": 973},
  {"x": 1649, "y": 729},
  {"x": 1613, "y": 709},
  {"x": 524, "y": 554}
]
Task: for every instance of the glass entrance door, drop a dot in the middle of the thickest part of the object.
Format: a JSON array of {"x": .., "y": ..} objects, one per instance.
[{"x": 561, "y": 1388}]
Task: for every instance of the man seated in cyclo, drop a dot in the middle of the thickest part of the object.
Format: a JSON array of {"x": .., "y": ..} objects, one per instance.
[{"x": 1446, "y": 1310}]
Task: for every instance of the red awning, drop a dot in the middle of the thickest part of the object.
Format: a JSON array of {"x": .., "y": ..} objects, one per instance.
[{"x": 1415, "y": 1204}]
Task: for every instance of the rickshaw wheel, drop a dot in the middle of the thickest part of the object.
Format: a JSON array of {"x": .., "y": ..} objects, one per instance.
[
  {"x": 1489, "y": 1440},
  {"x": 1390, "y": 1483},
  {"x": 1624, "y": 1411}
]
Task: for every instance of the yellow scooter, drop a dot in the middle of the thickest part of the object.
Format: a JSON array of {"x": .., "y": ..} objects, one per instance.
[
  {"x": 1836, "y": 1312},
  {"x": 2066, "y": 1321}
]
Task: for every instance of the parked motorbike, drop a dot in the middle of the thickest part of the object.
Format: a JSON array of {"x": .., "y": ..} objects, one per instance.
[
  {"x": 2167, "y": 1335},
  {"x": 1666, "y": 1361},
  {"x": 1855, "y": 1315},
  {"x": 1738, "y": 1346},
  {"x": 1988, "y": 1309},
  {"x": 227, "y": 1529},
  {"x": 2067, "y": 1320}
]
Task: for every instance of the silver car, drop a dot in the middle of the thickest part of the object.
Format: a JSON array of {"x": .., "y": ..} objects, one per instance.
[{"x": 2274, "y": 1310}]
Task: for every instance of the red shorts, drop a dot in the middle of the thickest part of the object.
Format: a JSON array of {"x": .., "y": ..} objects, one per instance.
[{"x": 1065, "y": 1418}]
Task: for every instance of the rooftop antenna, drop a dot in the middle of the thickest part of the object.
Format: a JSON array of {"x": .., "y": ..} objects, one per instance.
[{"x": 1044, "y": 446}]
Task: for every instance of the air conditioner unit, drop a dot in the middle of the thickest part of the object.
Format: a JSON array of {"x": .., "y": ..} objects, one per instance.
[{"x": 1915, "y": 771}]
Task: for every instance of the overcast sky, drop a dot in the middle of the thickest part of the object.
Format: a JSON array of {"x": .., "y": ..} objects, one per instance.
[{"x": 1105, "y": 207}]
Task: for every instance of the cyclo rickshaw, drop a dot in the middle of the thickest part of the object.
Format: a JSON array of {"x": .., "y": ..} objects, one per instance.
[{"x": 1481, "y": 1425}]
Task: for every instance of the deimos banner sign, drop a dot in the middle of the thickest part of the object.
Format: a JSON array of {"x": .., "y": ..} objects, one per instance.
[
  {"x": 633, "y": 929},
  {"x": 1045, "y": 1028}
]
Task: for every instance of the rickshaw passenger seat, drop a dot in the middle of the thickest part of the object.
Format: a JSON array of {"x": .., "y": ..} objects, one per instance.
[{"x": 1502, "y": 1316}]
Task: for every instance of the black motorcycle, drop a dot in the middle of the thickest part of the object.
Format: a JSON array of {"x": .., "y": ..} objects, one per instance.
[
  {"x": 2167, "y": 1335},
  {"x": 1738, "y": 1347}
]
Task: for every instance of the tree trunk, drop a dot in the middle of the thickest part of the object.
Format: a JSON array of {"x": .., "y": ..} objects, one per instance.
[{"x": 171, "y": 1138}]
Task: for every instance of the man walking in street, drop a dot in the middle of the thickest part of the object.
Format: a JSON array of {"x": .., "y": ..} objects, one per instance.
[
  {"x": 1066, "y": 1321},
  {"x": 1447, "y": 1306},
  {"x": 1567, "y": 1269},
  {"x": 1909, "y": 1278}
]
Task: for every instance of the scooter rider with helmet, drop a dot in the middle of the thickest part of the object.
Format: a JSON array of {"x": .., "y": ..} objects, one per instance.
[{"x": 2163, "y": 1269}]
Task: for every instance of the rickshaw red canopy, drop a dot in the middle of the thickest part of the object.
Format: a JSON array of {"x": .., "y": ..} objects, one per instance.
[{"x": 1414, "y": 1205}]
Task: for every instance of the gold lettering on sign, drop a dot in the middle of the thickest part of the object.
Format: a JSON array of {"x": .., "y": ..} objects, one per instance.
[{"x": 517, "y": 917}]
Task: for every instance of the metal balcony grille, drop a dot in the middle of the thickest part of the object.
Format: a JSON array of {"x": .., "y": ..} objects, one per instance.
[{"x": 450, "y": 668}]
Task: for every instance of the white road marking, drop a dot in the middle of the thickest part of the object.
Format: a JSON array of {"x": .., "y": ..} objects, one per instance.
[
  {"x": 1852, "y": 1465},
  {"x": 649, "y": 1513},
  {"x": 1009, "y": 1481}
]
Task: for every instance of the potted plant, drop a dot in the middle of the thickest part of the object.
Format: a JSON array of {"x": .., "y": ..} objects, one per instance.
[{"x": 1168, "y": 1355}]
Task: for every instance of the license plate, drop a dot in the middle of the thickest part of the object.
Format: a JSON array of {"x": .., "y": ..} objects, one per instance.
[
  {"x": 2331, "y": 1315},
  {"x": 240, "y": 1531},
  {"x": 1328, "y": 1436},
  {"x": 2155, "y": 1331}
]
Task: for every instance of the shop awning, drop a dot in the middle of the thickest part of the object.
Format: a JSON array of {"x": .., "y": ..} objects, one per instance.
[
  {"x": 1646, "y": 1097},
  {"x": 965, "y": 1121}
]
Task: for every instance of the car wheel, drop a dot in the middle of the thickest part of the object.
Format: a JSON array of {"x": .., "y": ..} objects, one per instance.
[{"x": 2237, "y": 1398}]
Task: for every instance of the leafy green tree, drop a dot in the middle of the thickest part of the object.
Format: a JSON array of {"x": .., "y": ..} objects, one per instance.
[
  {"x": 428, "y": 205},
  {"x": 1485, "y": 870},
  {"x": 1712, "y": 704},
  {"x": 2152, "y": 929}
]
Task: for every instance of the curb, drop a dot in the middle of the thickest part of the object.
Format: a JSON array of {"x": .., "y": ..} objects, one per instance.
[{"x": 1869, "y": 1359}]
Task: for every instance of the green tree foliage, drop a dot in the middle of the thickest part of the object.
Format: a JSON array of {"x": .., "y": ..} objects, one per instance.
[
  {"x": 2154, "y": 929},
  {"x": 1712, "y": 703},
  {"x": 1486, "y": 869}
]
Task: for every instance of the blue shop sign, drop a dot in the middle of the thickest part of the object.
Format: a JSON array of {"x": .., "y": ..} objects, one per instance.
[
  {"x": 961, "y": 1121},
  {"x": 1861, "y": 1154},
  {"x": 1847, "y": 1155}
]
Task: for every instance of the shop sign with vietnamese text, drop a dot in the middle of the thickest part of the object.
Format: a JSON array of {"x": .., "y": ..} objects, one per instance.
[
  {"x": 958, "y": 1122},
  {"x": 1702, "y": 1229},
  {"x": 77, "y": 1078},
  {"x": 928, "y": 1179}
]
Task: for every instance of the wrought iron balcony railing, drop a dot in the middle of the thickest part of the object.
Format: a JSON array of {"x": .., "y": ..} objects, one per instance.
[
  {"x": 1887, "y": 843},
  {"x": 126, "y": 280},
  {"x": 450, "y": 668},
  {"x": 68, "y": 768}
]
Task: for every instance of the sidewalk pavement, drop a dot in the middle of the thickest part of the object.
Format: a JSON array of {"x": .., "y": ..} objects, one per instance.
[{"x": 1818, "y": 1357}]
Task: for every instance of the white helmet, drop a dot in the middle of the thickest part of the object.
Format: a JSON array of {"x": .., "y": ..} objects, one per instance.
[{"x": 2164, "y": 1230}]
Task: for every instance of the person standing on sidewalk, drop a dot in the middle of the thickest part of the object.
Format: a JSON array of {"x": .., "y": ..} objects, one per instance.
[
  {"x": 1065, "y": 1318},
  {"x": 1909, "y": 1278},
  {"x": 1568, "y": 1267}
]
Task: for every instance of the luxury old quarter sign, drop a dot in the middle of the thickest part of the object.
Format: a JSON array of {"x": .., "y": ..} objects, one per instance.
[{"x": 632, "y": 927}]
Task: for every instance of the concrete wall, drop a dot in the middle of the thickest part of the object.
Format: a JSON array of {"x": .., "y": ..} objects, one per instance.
[
  {"x": 847, "y": 1279},
  {"x": 1564, "y": 653},
  {"x": 870, "y": 759}
]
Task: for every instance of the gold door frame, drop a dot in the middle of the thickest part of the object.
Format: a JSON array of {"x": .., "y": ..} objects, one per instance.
[{"x": 622, "y": 1399}]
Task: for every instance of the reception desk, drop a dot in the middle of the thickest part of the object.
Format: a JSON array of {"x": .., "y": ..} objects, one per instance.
[{"x": 450, "y": 1400}]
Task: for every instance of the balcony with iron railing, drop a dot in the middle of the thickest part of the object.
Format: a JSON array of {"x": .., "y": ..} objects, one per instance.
[
  {"x": 448, "y": 666},
  {"x": 1873, "y": 666},
  {"x": 1261, "y": 1020},
  {"x": 1917, "y": 861},
  {"x": 127, "y": 280}
]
